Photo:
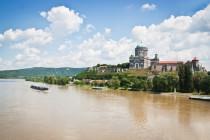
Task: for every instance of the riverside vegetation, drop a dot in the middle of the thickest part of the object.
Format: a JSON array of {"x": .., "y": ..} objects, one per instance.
[
  {"x": 57, "y": 80},
  {"x": 184, "y": 80}
]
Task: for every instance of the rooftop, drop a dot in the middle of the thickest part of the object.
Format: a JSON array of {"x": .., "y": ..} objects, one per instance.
[
  {"x": 170, "y": 62},
  {"x": 141, "y": 47}
]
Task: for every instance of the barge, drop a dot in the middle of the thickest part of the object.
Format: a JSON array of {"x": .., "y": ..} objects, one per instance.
[{"x": 39, "y": 87}]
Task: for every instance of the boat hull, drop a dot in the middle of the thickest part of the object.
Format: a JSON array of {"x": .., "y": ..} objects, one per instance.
[
  {"x": 203, "y": 98},
  {"x": 39, "y": 88}
]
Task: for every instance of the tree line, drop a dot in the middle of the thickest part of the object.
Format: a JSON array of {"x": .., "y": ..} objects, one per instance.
[
  {"x": 185, "y": 81},
  {"x": 57, "y": 80}
]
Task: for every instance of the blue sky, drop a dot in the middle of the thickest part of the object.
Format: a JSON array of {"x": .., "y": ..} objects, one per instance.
[
  {"x": 117, "y": 14},
  {"x": 108, "y": 30}
]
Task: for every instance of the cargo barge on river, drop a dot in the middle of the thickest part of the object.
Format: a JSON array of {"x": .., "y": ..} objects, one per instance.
[{"x": 39, "y": 87}]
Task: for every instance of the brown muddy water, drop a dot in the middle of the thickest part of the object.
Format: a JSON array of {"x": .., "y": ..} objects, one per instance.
[{"x": 73, "y": 113}]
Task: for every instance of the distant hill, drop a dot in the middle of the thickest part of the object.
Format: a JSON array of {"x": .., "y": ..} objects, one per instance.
[{"x": 40, "y": 71}]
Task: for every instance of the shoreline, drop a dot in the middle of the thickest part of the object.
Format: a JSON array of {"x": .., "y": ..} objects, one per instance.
[
  {"x": 89, "y": 87},
  {"x": 177, "y": 94},
  {"x": 132, "y": 91}
]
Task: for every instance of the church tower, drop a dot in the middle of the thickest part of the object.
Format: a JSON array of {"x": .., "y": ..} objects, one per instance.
[{"x": 140, "y": 60}]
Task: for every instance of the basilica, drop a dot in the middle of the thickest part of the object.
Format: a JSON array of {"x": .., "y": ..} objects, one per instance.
[{"x": 140, "y": 60}]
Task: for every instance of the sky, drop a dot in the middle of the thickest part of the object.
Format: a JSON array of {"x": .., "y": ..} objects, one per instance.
[{"x": 83, "y": 33}]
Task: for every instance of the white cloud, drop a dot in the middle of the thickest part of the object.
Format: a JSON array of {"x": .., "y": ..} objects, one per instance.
[
  {"x": 5, "y": 64},
  {"x": 181, "y": 37},
  {"x": 100, "y": 49},
  {"x": 97, "y": 49},
  {"x": 108, "y": 30},
  {"x": 148, "y": 7},
  {"x": 63, "y": 20},
  {"x": 30, "y": 42},
  {"x": 29, "y": 57},
  {"x": 31, "y": 33},
  {"x": 27, "y": 43},
  {"x": 1, "y": 37},
  {"x": 43, "y": 14},
  {"x": 24, "y": 38},
  {"x": 19, "y": 57},
  {"x": 32, "y": 52},
  {"x": 90, "y": 28},
  {"x": 62, "y": 47},
  {"x": 65, "y": 46}
]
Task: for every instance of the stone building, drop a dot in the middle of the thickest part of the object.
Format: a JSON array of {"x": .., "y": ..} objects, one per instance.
[
  {"x": 140, "y": 60},
  {"x": 163, "y": 66},
  {"x": 196, "y": 66},
  {"x": 168, "y": 66},
  {"x": 104, "y": 68}
]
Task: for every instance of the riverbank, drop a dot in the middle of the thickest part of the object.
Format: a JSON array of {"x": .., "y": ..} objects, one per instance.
[
  {"x": 120, "y": 90},
  {"x": 177, "y": 94}
]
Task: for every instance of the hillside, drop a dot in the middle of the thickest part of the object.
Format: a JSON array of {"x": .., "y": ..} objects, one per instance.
[{"x": 40, "y": 71}]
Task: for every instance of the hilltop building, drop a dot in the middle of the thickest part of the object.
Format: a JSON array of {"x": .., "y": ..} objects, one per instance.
[
  {"x": 164, "y": 66},
  {"x": 167, "y": 66},
  {"x": 140, "y": 60},
  {"x": 196, "y": 66}
]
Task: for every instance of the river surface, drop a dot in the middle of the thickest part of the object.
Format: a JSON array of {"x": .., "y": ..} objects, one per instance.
[{"x": 73, "y": 113}]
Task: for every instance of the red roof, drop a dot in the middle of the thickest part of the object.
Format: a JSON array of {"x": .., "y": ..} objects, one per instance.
[{"x": 170, "y": 62}]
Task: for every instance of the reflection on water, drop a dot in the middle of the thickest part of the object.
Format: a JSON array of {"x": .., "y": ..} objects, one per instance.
[{"x": 72, "y": 113}]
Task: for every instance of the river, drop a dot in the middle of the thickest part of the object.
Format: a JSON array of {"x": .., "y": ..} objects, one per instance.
[{"x": 73, "y": 113}]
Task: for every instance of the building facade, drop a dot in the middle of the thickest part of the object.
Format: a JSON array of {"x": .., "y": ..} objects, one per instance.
[
  {"x": 140, "y": 60},
  {"x": 168, "y": 66}
]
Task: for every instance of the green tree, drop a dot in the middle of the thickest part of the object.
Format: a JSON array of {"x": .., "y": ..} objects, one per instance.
[
  {"x": 172, "y": 80},
  {"x": 185, "y": 77},
  {"x": 165, "y": 82},
  {"x": 138, "y": 84},
  {"x": 205, "y": 84},
  {"x": 197, "y": 77},
  {"x": 160, "y": 84},
  {"x": 125, "y": 82},
  {"x": 181, "y": 74},
  {"x": 188, "y": 78}
]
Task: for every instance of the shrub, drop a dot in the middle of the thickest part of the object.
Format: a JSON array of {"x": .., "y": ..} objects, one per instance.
[{"x": 114, "y": 82}]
